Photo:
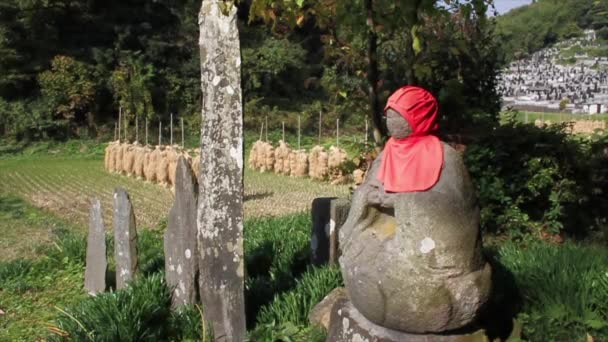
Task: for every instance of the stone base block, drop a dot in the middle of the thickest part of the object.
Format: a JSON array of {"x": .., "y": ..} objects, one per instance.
[{"x": 348, "y": 325}]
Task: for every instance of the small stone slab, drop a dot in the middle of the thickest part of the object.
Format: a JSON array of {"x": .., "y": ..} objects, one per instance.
[
  {"x": 328, "y": 215},
  {"x": 319, "y": 238},
  {"x": 347, "y": 325},
  {"x": 125, "y": 238},
  {"x": 96, "y": 261},
  {"x": 338, "y": 214},
  {"x": 180, "y": 243}
]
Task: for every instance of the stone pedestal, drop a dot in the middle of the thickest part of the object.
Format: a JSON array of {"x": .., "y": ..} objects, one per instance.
[{"x": 348, "y": 325}]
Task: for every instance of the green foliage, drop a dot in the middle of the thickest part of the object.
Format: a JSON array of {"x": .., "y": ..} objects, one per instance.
[
  {"x": 70, "y": 90},
  {"x": 70, "y": 148},
  {"x": 564, "y": 289},
  {"x": 532, "y": 180},
  {"x": 421, "y": 42},
  {"x": 131, "y": 83},
  {"x": 271, "y": 66},
  {"x": 530, "y": 28},
  {"x": 33, "y": 32}
]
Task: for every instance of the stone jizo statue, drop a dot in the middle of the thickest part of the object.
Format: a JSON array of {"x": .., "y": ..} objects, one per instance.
[{"x": 411, "y": 246}]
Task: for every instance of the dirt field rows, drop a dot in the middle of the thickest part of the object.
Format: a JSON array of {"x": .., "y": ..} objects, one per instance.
[{"x": 66, "y": 186}]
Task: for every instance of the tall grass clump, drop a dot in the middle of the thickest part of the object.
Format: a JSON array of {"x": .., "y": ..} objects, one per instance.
[
  {"x": 288, "y": 313},
  {"x": 564, "y": 289},
  {"x": 277, "y": 251},
  {"x": 139, "y": 312},
  {"x": 67, "y": 245}
]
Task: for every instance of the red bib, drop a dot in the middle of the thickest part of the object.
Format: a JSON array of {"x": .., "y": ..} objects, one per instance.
[{"x": 413, "y": 163}]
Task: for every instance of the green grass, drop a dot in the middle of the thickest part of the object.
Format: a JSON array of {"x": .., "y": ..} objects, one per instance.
[
  {"x": 563, "y": 289},
  {"x": 19, "y": 219},
  {"x": 83, "y": 148},
  {"x": 32, "y": 289},
  {"x": 66, "y": 185},
  {"x": 557, "y": 293},
  {"x": 43, "y": 294}
]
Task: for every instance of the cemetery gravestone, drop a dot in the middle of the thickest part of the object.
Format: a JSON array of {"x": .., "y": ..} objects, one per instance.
[
  {"x": 181, "y": 265},
  {"x": 96, "y": 260},
  {"x": 125, "y": 238},
  {"x": 220, "y": 207}
]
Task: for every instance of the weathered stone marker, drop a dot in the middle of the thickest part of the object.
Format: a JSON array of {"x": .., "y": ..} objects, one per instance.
[
  {"x": 220, "y": 207},
  {"x": 328, "y": 215},
  {"x": 338, "y": 213},
  {"x": 96, "y": 262},
  {"x": 125, "y": 238},
  {"x": 181, "y": 265},
  {"x": 319, "y": 238}
]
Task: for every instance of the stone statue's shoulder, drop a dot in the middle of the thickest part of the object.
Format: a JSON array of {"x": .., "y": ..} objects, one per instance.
[{"x": 454, "y": 179}]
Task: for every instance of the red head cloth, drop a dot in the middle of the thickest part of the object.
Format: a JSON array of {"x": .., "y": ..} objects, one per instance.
[{"x": 413, "y": 163}]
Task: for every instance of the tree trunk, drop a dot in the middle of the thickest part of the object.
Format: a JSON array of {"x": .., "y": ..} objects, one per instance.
[
  {"x": 220, "y": 207},
  {"x": 372, "y": 75}
]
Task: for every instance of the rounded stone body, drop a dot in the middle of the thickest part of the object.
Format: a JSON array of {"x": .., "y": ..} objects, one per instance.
[{"x": 413, "y": 261}]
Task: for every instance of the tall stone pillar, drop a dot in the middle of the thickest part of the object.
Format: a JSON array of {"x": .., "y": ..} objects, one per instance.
[{"x": 220, "y": 207}]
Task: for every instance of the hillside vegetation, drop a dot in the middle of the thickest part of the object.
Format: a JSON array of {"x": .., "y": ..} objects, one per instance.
[
  {"x": 530, "y": 28},
  {"x": 66, "y": 66}
]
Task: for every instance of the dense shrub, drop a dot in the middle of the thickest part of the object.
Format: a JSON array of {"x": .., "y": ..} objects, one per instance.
[
  {"x": 70, "y": 89},
  {"x": 539, "y": 180}
]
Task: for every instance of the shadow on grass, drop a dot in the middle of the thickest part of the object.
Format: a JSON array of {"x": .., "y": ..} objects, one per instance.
[
  {"x": 12, "y": 207},
  {"x": 268, "y": 276},
  {"x": 257, "y": 196},
  {"x": 505, "y": 301}
]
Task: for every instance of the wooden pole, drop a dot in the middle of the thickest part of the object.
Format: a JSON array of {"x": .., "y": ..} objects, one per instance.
[
  {"x": 136, "y": 128},
  {"x": 262, "y": 131},
  {"x": 124, "y": 125},
  {"x": 320, "y": 118},
  {"x": 119, "y": 121},
  {"x": 146, "y": 131},
  {"x": 160, "y": 130},
  {"x": 283, "y": 131},
  {"x": 182, "y": 122},
  {"x": 115, "y": 129},
  {"x": 299, "y": 117},
  {"x": 171, "y": 129},
  {"x": 366, "y": 131},
  {"x": 266, "y": 128},
  {"x": 337, "y": 132}
]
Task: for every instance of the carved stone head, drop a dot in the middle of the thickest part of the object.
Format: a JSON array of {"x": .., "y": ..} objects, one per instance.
[{"x": 397, "y": 125}]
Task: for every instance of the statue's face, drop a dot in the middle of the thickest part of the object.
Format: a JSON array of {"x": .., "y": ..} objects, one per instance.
[{"x": 396, "y": 124}]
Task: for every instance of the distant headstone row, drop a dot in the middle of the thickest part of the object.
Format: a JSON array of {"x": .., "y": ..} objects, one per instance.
[
  {"x": 319, "y": 163},
  {"x": 545, "y": 82},
  {"x": 153, "y": 164}
]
